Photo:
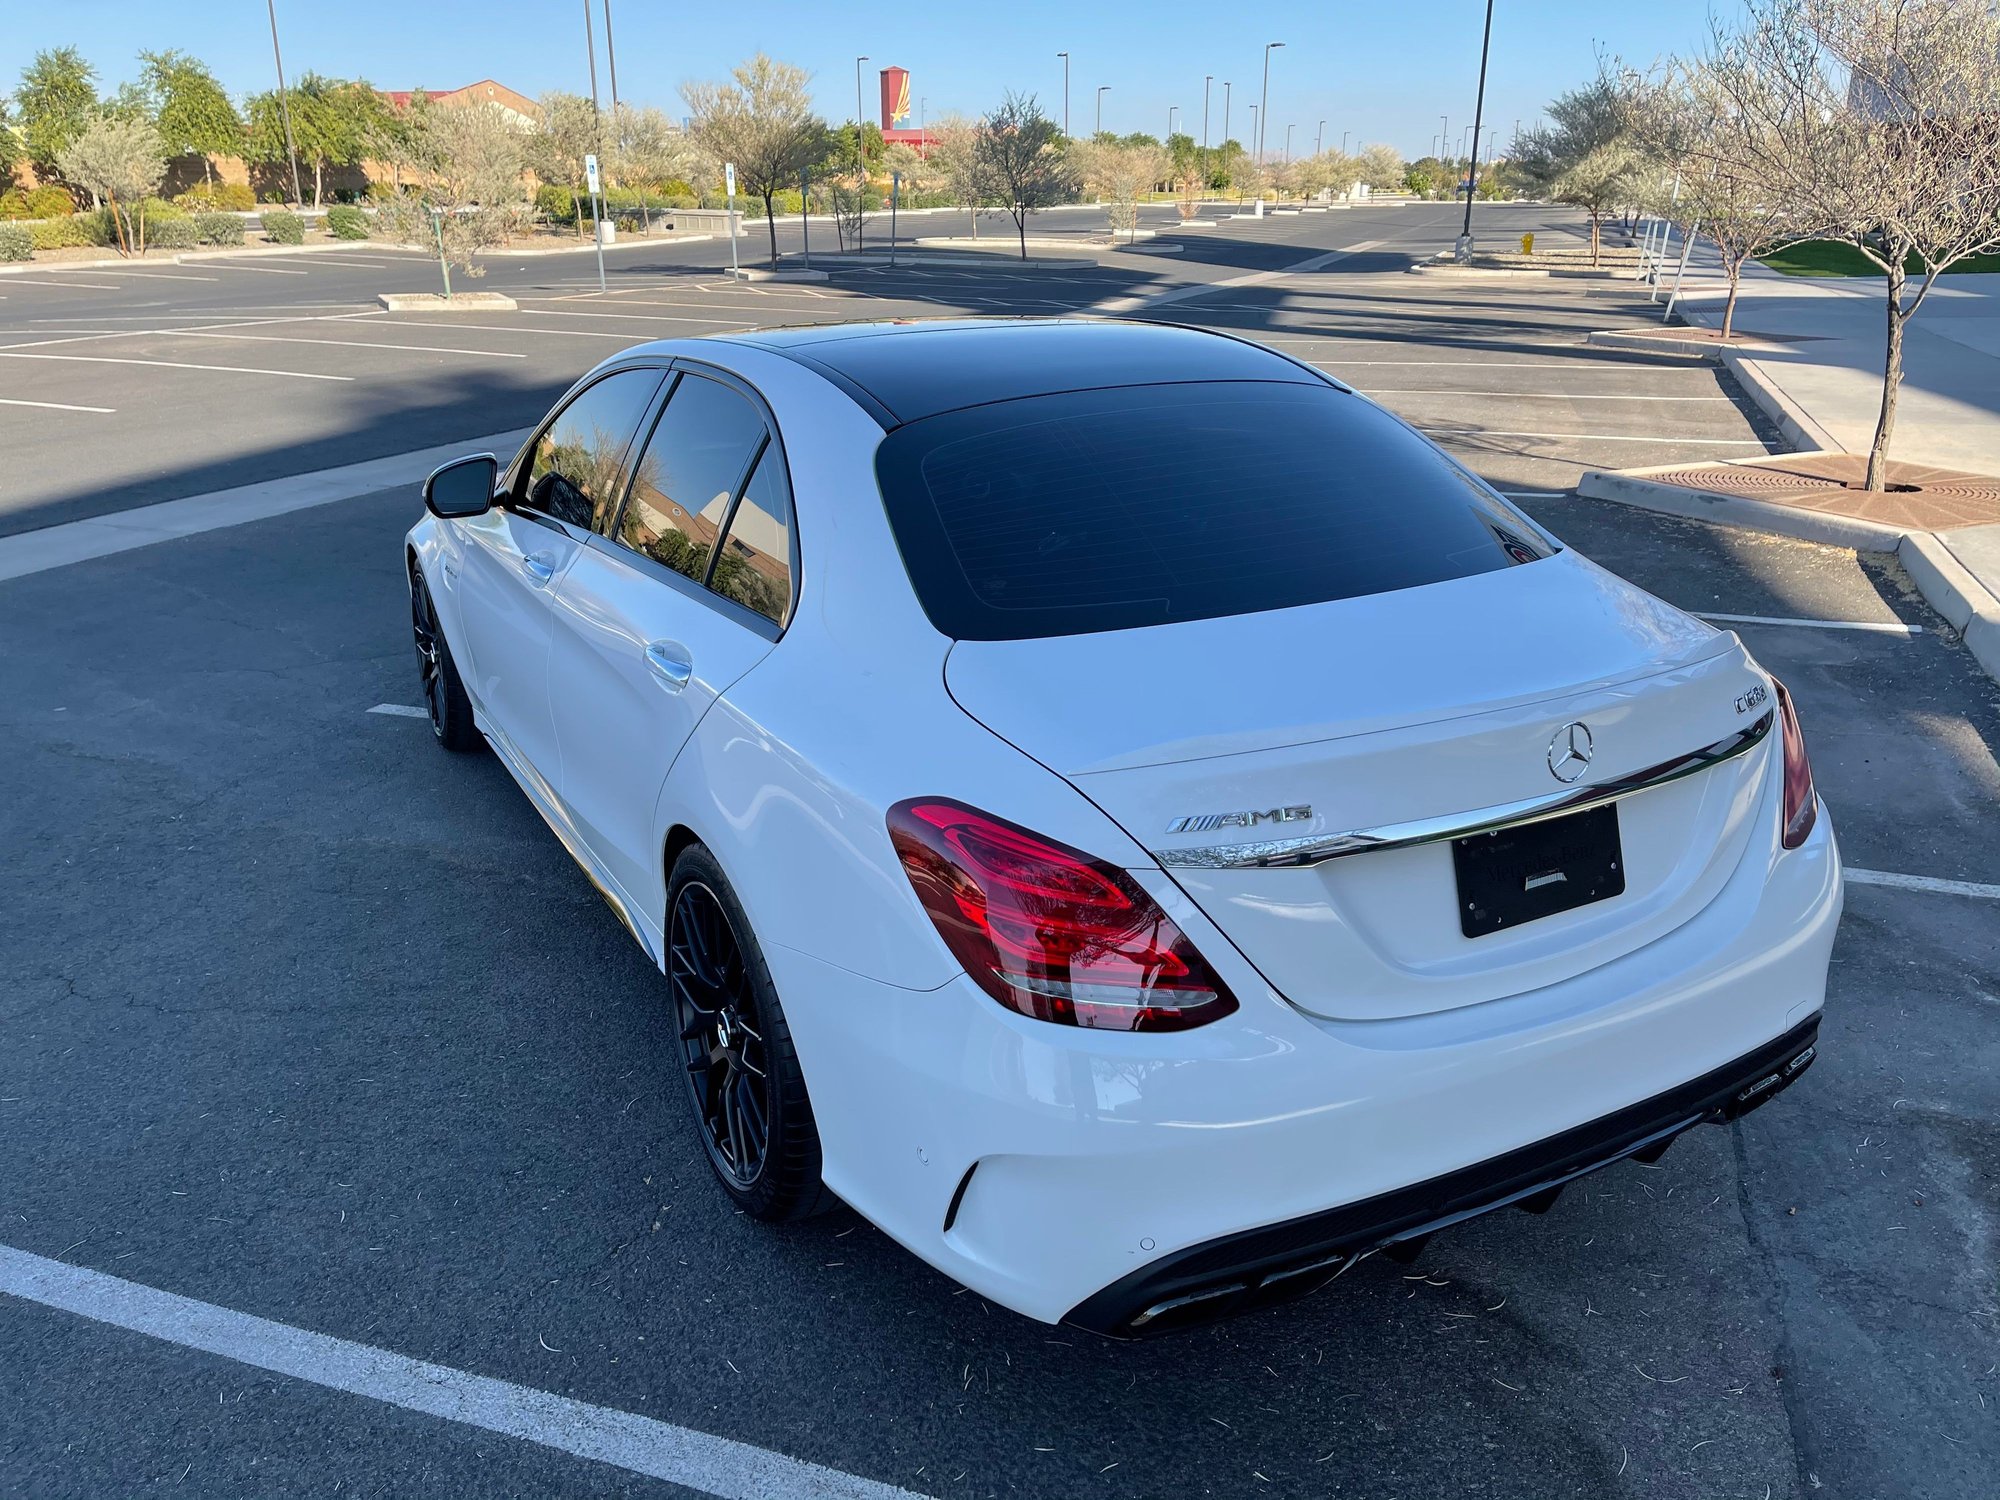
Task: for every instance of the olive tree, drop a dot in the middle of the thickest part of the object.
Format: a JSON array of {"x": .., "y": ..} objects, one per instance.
[
  {"x": 1021, "y": 153},
  {"x": 764, "y": 123},
  {"x": 1876, "y": 123},
  {"x": 1120, "y": 175},
  {"x": 570, "y": 129},
  {"x": 468, "y": 161},
  {"x": 1588, "y": 157},
  {"x": 961, "y": 169},
  {"x": 118, "y": 158}
]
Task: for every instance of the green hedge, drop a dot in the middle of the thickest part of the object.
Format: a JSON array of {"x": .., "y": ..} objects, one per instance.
[
  {"x": 283, "y": 227},
  {"x": 176, "y": 233},
  {"x": 45, "y": 202},
  {"x": 16, "y": 243},
  {"x": 221, "y": 195},
  {"x": 218, "y": 229},
  {"x": 72, "y": 231},
  {"x": 346, "y": 222}
]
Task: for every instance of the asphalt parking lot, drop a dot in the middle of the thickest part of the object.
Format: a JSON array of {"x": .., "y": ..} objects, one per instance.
[{"x": 307, "y": 1021}]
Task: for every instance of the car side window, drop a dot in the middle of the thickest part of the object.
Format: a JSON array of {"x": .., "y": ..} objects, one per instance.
[
  {"x": 693, "y": 463},
  {"x": 754, "y": 567},
  {"x": 577, "y": 470}
]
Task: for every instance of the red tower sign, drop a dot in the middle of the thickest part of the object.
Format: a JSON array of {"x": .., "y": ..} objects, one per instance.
[{"x": 895, "y": 97}]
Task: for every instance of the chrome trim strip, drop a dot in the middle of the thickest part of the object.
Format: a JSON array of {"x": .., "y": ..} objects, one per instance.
[{"x": 1313, "y": 849}]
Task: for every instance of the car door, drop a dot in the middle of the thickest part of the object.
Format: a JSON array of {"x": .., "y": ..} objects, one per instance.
[
  {"x": 689, "y": 589},
  {"x": 568, "y": 477}
]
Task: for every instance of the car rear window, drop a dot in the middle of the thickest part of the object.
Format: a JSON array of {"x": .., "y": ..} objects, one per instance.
[{"x": 1146, "y": 505}]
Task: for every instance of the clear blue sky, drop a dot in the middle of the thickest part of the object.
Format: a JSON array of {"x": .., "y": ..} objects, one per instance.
[{"x": 1378, "y": 71}]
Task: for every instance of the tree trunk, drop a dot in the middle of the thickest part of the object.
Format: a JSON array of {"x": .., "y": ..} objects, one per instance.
[
  {"x": 1735, "y": 270},
  {"x": 576, "y": 212},
  {"x": 1892, "y": 372},
  {"x": 118, "y": 228},
  {"x": 319, "y": 169},
  {"x": 1594, "y": 236},
  {"x": 207, "y": 171},
  {"x": 771, "y": 219},
  {"x": 1021, "y": 228}
]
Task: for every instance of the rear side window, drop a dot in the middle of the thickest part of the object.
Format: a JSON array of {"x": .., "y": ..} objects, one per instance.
[
  {"x": 693, "y": 463},
  {"x": 1146, "y": 505},
  {"x": 755, "y": 565},
  {"x": 577, "y": 471}
]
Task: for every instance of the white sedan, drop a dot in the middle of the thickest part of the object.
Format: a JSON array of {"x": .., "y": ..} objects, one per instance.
[{"x": 1125, "y": 813}]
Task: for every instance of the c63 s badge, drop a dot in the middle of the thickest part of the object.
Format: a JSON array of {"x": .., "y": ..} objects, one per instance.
[
  {"x": 1752, "y": 699},
  {"x": 1208, "y": 822}
]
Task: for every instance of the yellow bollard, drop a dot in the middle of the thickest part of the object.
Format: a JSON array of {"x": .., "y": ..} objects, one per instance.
[{"x": 1527, "y": 244}]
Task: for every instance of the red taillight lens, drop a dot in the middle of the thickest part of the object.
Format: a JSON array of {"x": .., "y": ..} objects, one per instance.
[
  {"x": 1048, "y": 931},
  {"x": 1801, "y": 802}
]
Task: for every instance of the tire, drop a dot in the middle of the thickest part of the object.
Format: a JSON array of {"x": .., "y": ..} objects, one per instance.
[
  {"x": 740, "y": 1072},
  {"x": 445, "y": 702}
]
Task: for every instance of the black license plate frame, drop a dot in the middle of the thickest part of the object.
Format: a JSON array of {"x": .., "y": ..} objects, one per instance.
[{"x": 1508, "y": 877}]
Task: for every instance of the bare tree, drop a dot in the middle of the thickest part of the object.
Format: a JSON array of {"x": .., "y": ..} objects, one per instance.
[
  {"x": 1120, "y": 173},
  {"x": 764, "y": 123},
  {"x": 117, "y": 158},
  {"x": 469, "y": 159},
  {"x": 1379, "y": 165},
  {"x": 1877, "y": 124},
  {"x": 570, "y": 130},
  {"x": 955, "y": 155},
  {"x": 1021, "y": 151}
]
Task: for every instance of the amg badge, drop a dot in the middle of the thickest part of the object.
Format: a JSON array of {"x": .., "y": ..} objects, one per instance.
[{"x": 1207, "y": 822}]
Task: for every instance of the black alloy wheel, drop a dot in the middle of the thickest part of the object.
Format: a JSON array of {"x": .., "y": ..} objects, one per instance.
[
  {"x": 727, "y": 1069},
  {"x": 445, "y": 701}
]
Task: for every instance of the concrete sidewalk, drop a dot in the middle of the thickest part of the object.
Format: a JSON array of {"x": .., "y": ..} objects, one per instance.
[{"x": 1819, "y": 377}]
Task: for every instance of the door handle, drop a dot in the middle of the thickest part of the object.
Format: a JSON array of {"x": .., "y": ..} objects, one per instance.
[
  {"x": 539, "y": 567},
  {"x": 670, "y": 665}
]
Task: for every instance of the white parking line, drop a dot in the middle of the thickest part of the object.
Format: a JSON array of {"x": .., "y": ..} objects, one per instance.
[
  {"x": 58, "y": 406},
  {"x": 1923, "y": 883},
  {"x": 267, "y": 338},
  {"x": 533, "y": 333},
  {"x": 698, "y": 1461},
  {"x": 95, "y": 286},
  {"x": 168, "y": 364},
  {"x": 1878, "y": 627},
  {"x": 549, "y": 312},
  {"x": 1593, "y": 437},
  {"x": 1542, "y": 395},
  {"x": 267, "y": 270},
  {"x": 400, "y": 711}
]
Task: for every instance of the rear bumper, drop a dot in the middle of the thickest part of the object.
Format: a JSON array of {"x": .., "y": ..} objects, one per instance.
[{"x": 1280, "y": 1261}]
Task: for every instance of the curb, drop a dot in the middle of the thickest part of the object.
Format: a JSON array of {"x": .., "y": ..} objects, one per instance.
[
  {"x": 978, "y": 259},
  {"x": 1147, "y": 249},
  {"x": 1612, "y": 338},
  {"x": 1737, "y": 510},
  {"x": 783, "y": 273},
  {"x": 503, "y": 253},
  {"x": 433, "y": 302},
  {"x": 1954, "y": 592},
  {"x": 187, "y": 257},
  {"x": 1793, "y": 421},
  {"x": 350, "y": 246}
]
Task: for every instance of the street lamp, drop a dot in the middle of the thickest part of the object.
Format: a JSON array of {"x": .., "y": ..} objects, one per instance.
[
  {"x": 1225, "y": 111},
  {"x": 1102, "y": 90},
  {"x": 1478, "y": 112},
  {"x": 1172, "y": 110},
  {"x": 1207, "y": 79},
  {"x": 1343, "y": 141},
  {"x": 285, "y": 108},
  {"x": 1288, "y": 143},
  {"x": 1264, "y": 103},
  {"x": 860, "y": 135},
  {"x": 1065, "y": 57},
  {"x": 1319, "y": 140},
  {"x": 1254, "y": 137}
]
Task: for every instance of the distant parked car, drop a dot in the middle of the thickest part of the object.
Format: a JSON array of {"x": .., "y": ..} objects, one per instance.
[{"x": 1126, "y": 813}]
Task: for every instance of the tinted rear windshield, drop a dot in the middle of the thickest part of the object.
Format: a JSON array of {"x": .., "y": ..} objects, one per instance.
[{"x": 1146, "y": 505}]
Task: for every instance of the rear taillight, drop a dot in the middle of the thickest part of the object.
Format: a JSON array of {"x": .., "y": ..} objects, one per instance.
[
  {"x": 1048, "y": 931},
  {"x": 1801, "y": 802}
]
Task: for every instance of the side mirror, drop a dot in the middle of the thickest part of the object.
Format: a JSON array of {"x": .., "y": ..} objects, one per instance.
[{"x": 463, "y": 487}]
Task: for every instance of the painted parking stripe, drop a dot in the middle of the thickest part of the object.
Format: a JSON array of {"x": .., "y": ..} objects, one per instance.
[
  {"x": 1930, "y": 883},
  {"x": 1541, "y": 395},
  {"x": 696, "y": 1460},
  {"x": 400, "y": 711},
  {"x": 267, "y": 270},
  {"x": 271, "y": 338},
  {"x": 549, "y": 312},
  {"x": 94, "y": 286},
  {"x": 1878, "y": 627},
  {"x": 168, "y": 364},
  {"x": 58, "y": 406},
  {"x": 533, "y": 333},
  {"x": 164, "y": 275},
  {"x": 1592, "y": 437}
]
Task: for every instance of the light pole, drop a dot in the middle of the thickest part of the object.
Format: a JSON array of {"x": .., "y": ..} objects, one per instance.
[
  {"x": 1319, "y": 140},
  {"x": 1288, "y": 143},
  {"x": 1444, "y": 137},
  {"x": 860, "y": 135},
  {"x": 1065, "y": 57},
  {"x": 611, "y": 58},
  {"x": 1207, "y": 79},
  {"x": 1172, "y": 110},
  {"x": 1102, "y": 90},
  {"x": 1343, "y": 141},
  {"x": 1264, "y": 101},
  {"x": 1254, "y": 137},
  {"x": 1478, "y": 113},
  {"x": 1225, "y": 111},
  {"x": 285, "y": 108}
]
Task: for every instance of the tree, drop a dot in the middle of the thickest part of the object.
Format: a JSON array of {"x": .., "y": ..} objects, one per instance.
[
  {"x": 571, "y": 129},
  {"x": 56, "y": 100},
  {"x": 469, "y": 162},
  {"x": 1120, "y": 175},
  {"x": 10, "y": 147},
  {"x": 334, "y": 123},
  {"x": 1379, "y": 165},
  {"x": 651, "y": 150},
  {"x": 1877, "y": 123},
  {"x": 1227, "y": 164},
  {"x": 117, "y": 158},
  {"x": 193, "y": 112},
  {"x": 764, "y": 123},
  {"x": 1588, "y": 157},
  {"x": 955, "y": 155},
  {"x": 1021, "y": 153}
]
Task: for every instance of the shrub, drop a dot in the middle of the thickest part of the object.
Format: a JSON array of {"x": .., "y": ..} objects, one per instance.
[
  {"x": 13, "y": 205},
  {"x": 50, "y": 202},
  {"x": 218, "y": 229},
  {"x": 211, "y": 197},
  {"x": 16, "y": 243},
  {"x": 283, "y": 227},
  {"x": 174, "y": 232},
  {"x": 346, "y": 222},
  {"x": 553, "y": 202},
  {"x": 72, "y": 231}
]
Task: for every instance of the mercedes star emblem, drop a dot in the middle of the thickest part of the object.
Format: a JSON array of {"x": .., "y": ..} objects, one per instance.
[{"x": 1570, "y": 751}]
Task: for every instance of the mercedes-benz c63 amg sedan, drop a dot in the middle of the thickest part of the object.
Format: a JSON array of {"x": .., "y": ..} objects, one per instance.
[{"x": 1121, "y": 810}]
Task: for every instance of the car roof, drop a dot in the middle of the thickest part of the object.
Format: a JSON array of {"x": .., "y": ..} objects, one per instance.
[{"x": 910, "y": 369}]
